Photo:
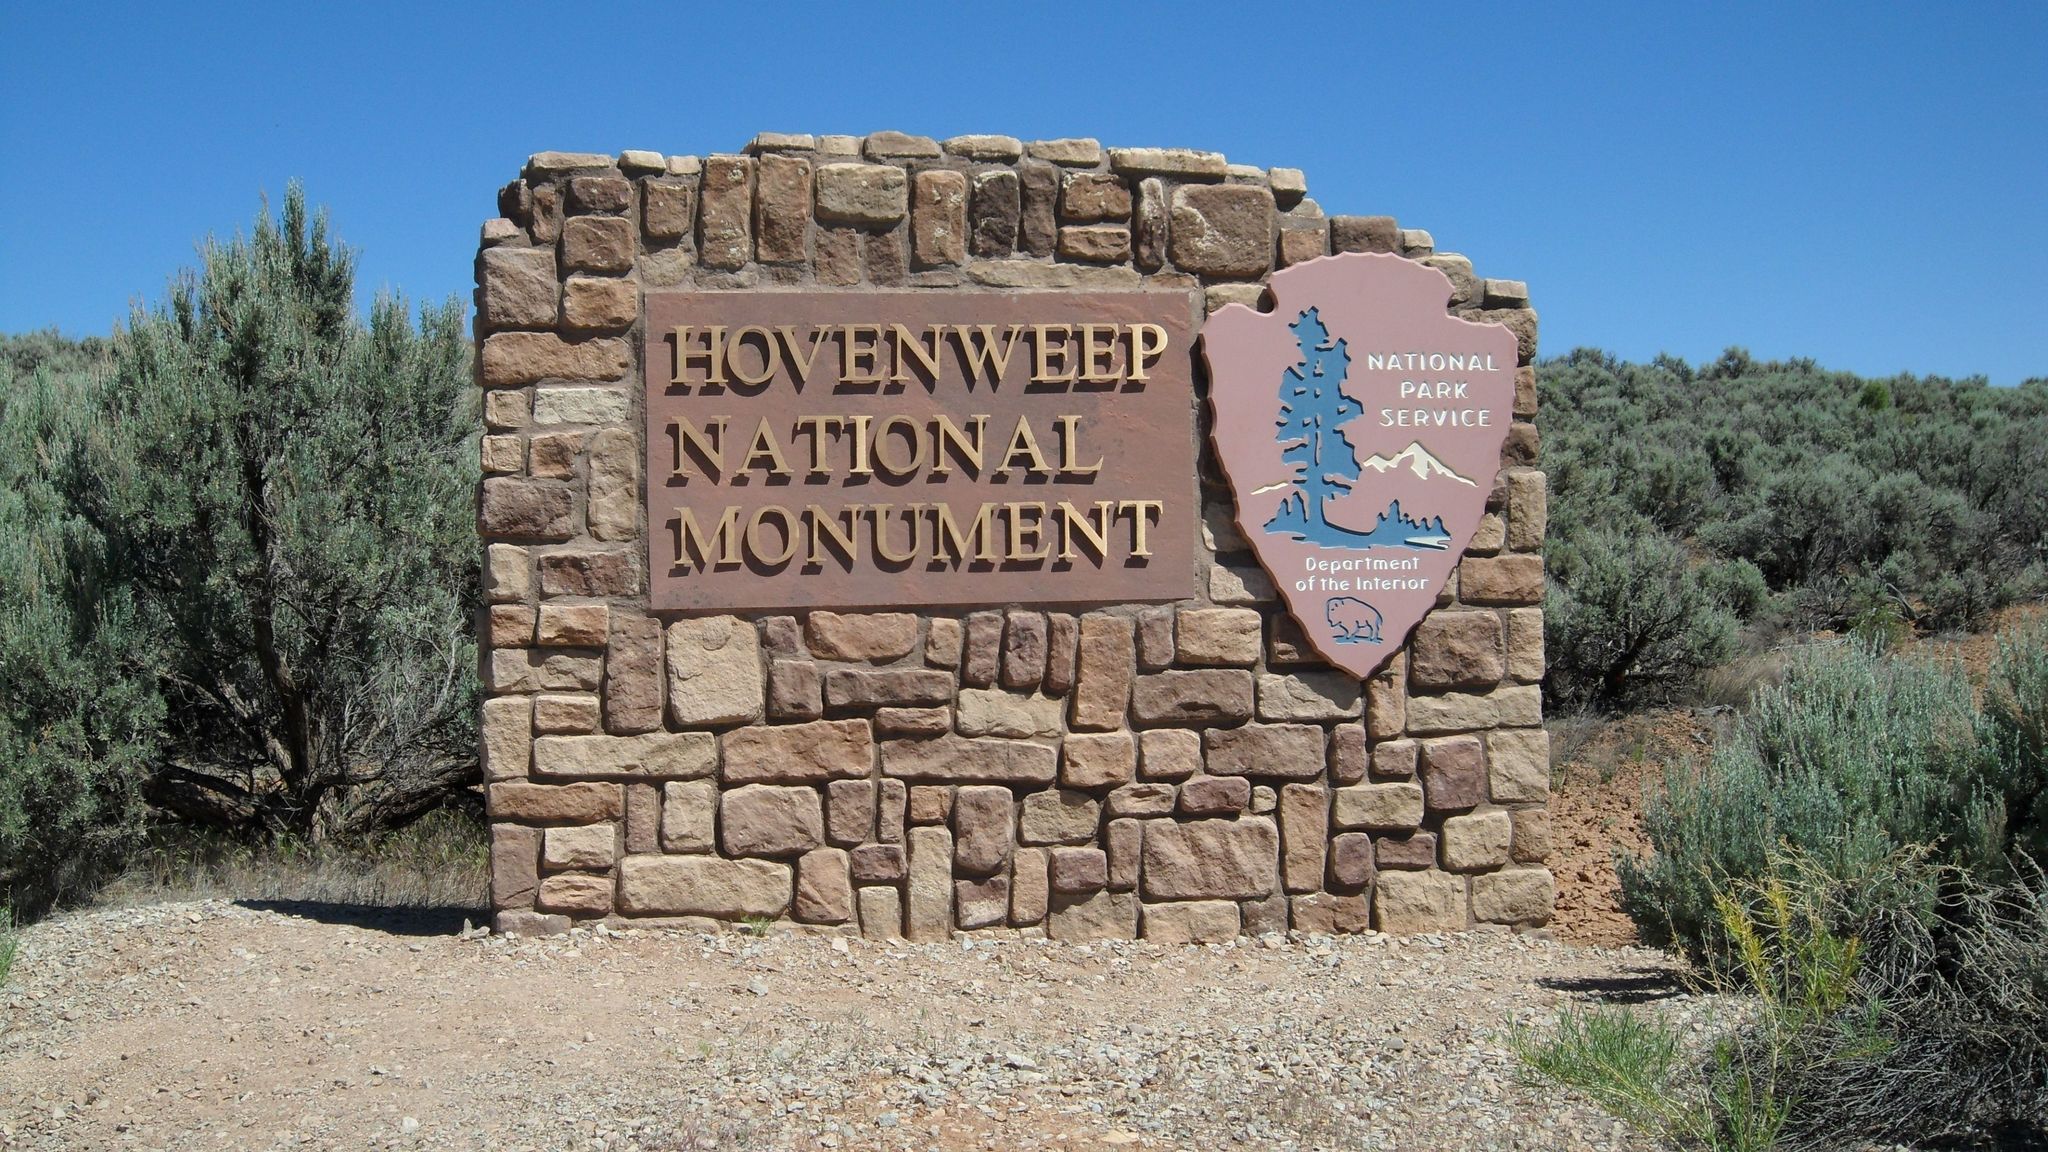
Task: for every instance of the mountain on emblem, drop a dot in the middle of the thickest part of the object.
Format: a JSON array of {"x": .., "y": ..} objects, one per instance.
[
  {"x": 1417, "y": 460},
  {"x": 1360, "y": 524}
]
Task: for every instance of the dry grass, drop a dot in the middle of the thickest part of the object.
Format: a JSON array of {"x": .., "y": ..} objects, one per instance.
[{"x": 441, "y": 861}]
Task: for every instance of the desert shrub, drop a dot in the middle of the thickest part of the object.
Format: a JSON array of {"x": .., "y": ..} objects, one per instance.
[
  {"x": 1922, "y": 497},
  {"x": 79, "y": 708},
  {"x": 286, "y": 491},
  {"x": 1627, "y": 617},
  {"x": 1849, "y": 759}
]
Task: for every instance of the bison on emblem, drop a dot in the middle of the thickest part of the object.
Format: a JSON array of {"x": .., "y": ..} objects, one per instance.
[{"x": 1353, "y": 620}]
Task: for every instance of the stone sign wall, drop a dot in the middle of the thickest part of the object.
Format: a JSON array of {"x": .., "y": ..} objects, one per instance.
[{"x": 687, "y": 728}]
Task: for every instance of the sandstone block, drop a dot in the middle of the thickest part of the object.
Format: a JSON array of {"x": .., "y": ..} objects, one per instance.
[
  {"x": 1514, "y": 896},
  {"x": 714, "y": 671},
  {"x": 581, "y": 573},
  {"x": 1230, "y": 636},
  {"x": 1532, "y": 836},
  {"x": 525, "y": 509},
  {"x": 1030, "y": 887},
  {"x": 887, "y": 687},
  {"x": 1206, "y": 696},
  {"x": 913, "y": 721},
  {"x": 1239, "y": 586},
  {"x": 614, "y": 485},
  {"x": 1094, "y": 197},
  {"x": 982, "y": 903},
  {"x": 1211, "y": 859},
  {"x": 667, "y": 208},
  {"x": 564, "y": 714},
  {"x": 782, "y": 210},
  {"x": 586, "y": 803},
  {"x": 994, "y": 205},
  {"x": 1148, "y": 225},
  {"x": 1349, "y": 757},
  {"x": 943, "y": 642},
  {"x": 518, "y": 922},
  {"x": 599, "y": 304},
  {"x": 796, "y": 690},
  {"x": 1477, "y": 841},
  {"x": 517, "y": 288},
  {"x": 1024, "y": 650},
  {"x": 1525, "y": 644},
  {"x": 1310, "y": 697},
  {"x": 881, "y": 913},
  {"x": 1351, "y": 860},
  {"x": 798, "y": 753},
  {"x": 1522, "y": 446},
  {"x": 1365, "y": 234},
  {"x": 1098, "y": 760},
  {"x": 1386, "y": 702},
  {"x": 1457, "y": 650},
  {"x": 643, "y": 819},
  {"x": 689, "y": 813},
  {"x": 1525, "y": 393},
  {"x": 1331, "y": 913},
  {"x": 876, "y": 636},
  {"x": 931, "y": 804},
  {"x": 1095, "y": 243},
  {"x": 931, "y": 884},
  {"x": 994, "y": 712},
  {"x": 1169, "y": 754},
  {"x": 836, "y": 254},
  {"x": 501, "y": 453},
  {"x": 1528, "y": 510},
  {"x": 1409, "y": 902},
  {"x": 515, "y": 865},
  {"x": 1107, "y": 663},
  {"x": 506, "y": 737},
  {"x": 981, "y": 657},
  {"x": 585, "y": 846},
  {"x": 1126, "y": 845},
  {"x": 576, "y": 894},
  {"x": 510, "y": 625},
  {"x": 1215, "y": 795},
  {"x": 579, "y": 405},
  {"x": 938, "y": 218},
  {"x": 1059, "y": 817},
  {"x": 1223, "y": 230},
  {"x": 508, "y": 574},
  {"x": 849, "y": 811},
  {"x": 1454, "y": 773},
  {"x": 896, "y": 145},
  {"x": 703, "y": 886},
  {"x": 892, "y": 799},
  {"x": 1414, "y": 852},
  {"x": 863, "y": 194},
  {"x": 1511, "y": 579},
  {"x": 1304, "y": 835},
  {"x": 877, "y": 863},
  {"x": 1073, "y": 152},
  {"x": 886, "y": 257},
  {"x": 595, "y": 193},
  {"x": 725, "y": 212},
  {"x": 1395, "y": 759},
  {"x": 662, "y": 755},
  {"x": 1191, "y": 922},
  {"x": 573, "y": 625},
  {"x": 1039, "y": 193},
  {"x": 1300, "y": 245},
  {"x": 1079, "y": 869},
  {"x": 1509, "y": 706},
  {"x": 763, "y": 820},
  {"x": 970, "y": 760},
  {"x": 1185, "y": 163},
  {"x": 997, "y": 148},
  {"x": 1397, "y": 805},
  {"x": 1146, "y": 799},
  {"x": 1155, "y": 638},
  {"x": 1283, "y": 751},
  {"x": 633, "y": 675},
  {"x": 984, "y": 828},
  {"x": 1102, "y": 916},
  {"x": 824, "y": 893},
  {"x": 1518, "y": 765},
  {"x": 1062, "y": 648},
  {"x": 597, "y": 244}
]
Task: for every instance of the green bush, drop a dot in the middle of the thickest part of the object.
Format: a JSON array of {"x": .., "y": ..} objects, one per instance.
[
  {"x": 80, "y": 713},
  {"x": 1628, "y": 617},
  {"x": 288, "y": 493},
  {"x": 1851, "y": 758}
]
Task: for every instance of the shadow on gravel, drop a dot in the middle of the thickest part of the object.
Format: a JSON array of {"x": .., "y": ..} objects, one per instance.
[
  {"x": 397, "y": 921},
  {"x": 1641, "y": 986}
]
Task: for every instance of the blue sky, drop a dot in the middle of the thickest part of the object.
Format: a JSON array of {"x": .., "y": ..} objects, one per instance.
[{"x": 1866, "y": 185}]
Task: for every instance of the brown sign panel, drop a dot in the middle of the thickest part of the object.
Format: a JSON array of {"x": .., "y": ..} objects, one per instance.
[{"x": 902, "y": 449}]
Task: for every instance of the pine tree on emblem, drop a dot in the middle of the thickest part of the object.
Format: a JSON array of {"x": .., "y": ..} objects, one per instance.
[{"x": 1312, "y": 409}]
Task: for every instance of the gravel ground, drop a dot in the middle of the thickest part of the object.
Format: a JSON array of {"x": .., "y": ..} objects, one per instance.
[{"x": 225, "y": 1026}]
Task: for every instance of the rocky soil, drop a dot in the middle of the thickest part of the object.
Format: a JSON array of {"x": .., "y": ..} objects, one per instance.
[{"x": 230, "y": 1026}]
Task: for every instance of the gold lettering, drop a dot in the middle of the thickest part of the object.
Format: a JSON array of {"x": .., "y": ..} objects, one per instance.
[
  {"x": 800, "y": 365},
  {"x": 732, "y": 352},
  {"x": 1139, "y": 523},
  {"x": 721, "y": 548},
  {"x": 949, "y": 534},
  {"x": 859, "y": 424},
  {"x": 817, "y": 428},
  {"x": 1148, "y": 343},
  {"x": 944, "y": 431},
  {"x": 1070, "y": 447},
  {"x": 1095, "y": 532},
  {"x": 1043, "y": 348},
  {"x": 708, "y": 444},
  {"x": 824, "y": 524},
  {"x": 1097, "y": 342},
  {"x": 713, "y": 354},
  {"x": 754, "y": 535},
  {"x": 1026, "y": 542},
  {"x": 912, "y": 431},
  {"x": 764, "y": 444},
  {"x": 904, "y": 338},
  {"x": 852, "y": 350},
  {"x": 879, "y": 513},
  {"x": 1024, "y": 441},
  {"x": 983, "y": 357}
]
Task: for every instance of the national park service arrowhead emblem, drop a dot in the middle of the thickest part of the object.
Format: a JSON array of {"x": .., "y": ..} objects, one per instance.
[{"x": 1360, "y": 425}]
